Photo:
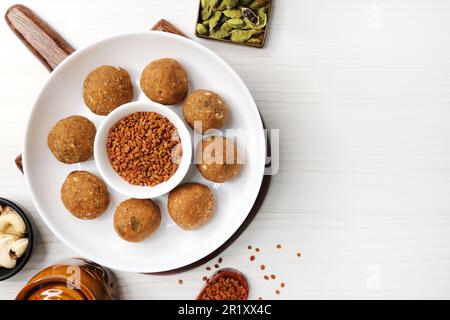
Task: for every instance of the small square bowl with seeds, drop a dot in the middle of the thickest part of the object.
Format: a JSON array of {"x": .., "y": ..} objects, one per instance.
[{"x": 243, "y": 22}]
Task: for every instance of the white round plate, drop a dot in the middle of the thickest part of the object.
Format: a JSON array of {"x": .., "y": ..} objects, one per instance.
[{"x": 170, "y": 247}]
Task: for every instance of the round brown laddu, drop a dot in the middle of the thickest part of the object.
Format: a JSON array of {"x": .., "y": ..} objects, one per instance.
[
  {"x": 191, "y": 205},
  {"x": 218, "y": 168},
  {"x": 136, "y": 219},
  {"x": 165, "y": 81},
  {"x": 205, "y": 107},
  {"x": 71, "y": 139},
  {"x": 85, "y": 195},
  {"x": 107, "y": 88}
]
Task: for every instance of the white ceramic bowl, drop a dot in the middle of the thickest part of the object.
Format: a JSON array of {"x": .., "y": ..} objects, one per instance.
[{"x": 113, "y": 179}]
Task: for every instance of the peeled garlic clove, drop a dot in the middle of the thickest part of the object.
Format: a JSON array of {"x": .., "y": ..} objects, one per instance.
[
  {"x": 19, "y": 247},
  {"x": 12, "y": 223}
]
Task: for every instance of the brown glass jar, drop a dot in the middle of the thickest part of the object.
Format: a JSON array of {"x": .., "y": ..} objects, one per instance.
[{"x": 75, "y": 279}]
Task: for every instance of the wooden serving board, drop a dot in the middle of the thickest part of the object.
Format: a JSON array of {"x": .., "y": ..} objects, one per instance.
[{"x": 51, "y": 49}]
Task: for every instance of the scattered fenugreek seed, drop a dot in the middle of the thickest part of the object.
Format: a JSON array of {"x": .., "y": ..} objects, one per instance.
[{"x": 252, "y": 258}]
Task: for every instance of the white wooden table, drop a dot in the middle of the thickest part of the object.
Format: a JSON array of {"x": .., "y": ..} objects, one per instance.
[{"x": 361, "y": 92}]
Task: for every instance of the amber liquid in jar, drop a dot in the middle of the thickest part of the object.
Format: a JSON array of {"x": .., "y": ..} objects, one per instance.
[{"x": 75, "y": 279}]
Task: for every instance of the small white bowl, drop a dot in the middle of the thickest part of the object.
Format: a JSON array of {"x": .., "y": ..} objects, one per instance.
[{"x": 113, "y": 179}]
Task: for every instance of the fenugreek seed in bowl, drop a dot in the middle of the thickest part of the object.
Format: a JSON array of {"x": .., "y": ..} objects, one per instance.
[{"x": 143, "y": 150}]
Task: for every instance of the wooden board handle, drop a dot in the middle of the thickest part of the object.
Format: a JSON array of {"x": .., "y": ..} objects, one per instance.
[
  {"x": 165, "y": 26},
  {"x": 41, "y": 39}
]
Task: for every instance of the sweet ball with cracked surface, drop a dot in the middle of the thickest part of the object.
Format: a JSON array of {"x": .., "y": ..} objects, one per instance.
[
  {"x": 85, "y": 195},
  {"x": 136, "y": 219},
  {"x": 205, "y": 108},
  {"x": 191, "y": 205},
  {"x": 107, "y": 88},
  {"x": 218, "y": 159},
  {"x": 165, "y": 81},
  {"x": 71, "y": 139}
]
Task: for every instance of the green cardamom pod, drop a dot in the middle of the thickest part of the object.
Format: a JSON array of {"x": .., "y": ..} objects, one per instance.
[
  {"x": 241, "y": 36},
  {"x": 236, "y": 23},
  {"x": 264, "y": 9},
  {"x": 260, "y": 24},
  {"x": 232, "y": 4},
  {"x": 213, "y": 3},
  {"x": 249, "y": 15},
  {"x": 227, "y": 4},
  {"x": 245, "y": 3},
  {"x": 256, "y": 4},
  {"x": 206, "y": 14},
  {"x": 213, "y": 22},
  {"x": 222, "y": 6},
  {"x": 233, "y": 13},
  {"x": 202, "y": 30},
  {"x": 222, "y": 33},
  {"x": 254, "y": 41}
]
